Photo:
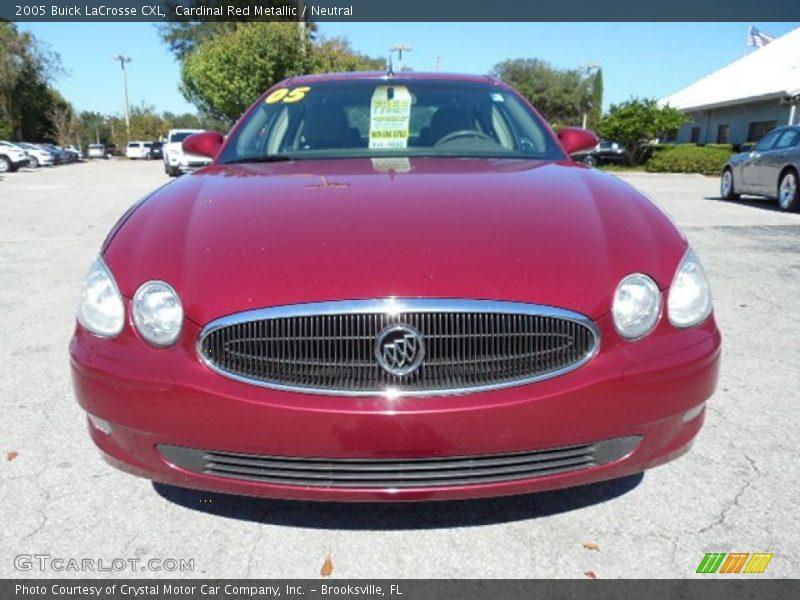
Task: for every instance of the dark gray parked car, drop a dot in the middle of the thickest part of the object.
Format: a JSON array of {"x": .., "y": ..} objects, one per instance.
[{"x": 768, "y": 169}]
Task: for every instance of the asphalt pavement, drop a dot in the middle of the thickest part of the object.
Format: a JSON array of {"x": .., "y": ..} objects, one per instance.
[{"x": 735, "y": 491}]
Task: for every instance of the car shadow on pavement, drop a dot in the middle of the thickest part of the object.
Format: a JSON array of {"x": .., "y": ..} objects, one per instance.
[
  {"x": 752, "y": 202},
  {"x": 398, "y": 516}
]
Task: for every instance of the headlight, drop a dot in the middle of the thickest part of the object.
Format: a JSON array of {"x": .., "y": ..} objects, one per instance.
[
  {"x": 157, "y": 313},
  {"x": 101, "y": 310},
  {"x": 689, "y": 301},
  {"x": 637, "y": 306}
]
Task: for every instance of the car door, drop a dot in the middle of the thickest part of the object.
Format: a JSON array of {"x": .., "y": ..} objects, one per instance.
[
  {"x": 753, "y": 168},
  {"x": 781, "y": 154}
]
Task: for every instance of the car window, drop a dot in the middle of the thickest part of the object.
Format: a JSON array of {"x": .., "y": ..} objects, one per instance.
[
  {"x": 789, "y": 139},
  {"x": 371, "y": 118},
  {"x": 767, "y": 141},
  {"x": 180, "y": 136}
]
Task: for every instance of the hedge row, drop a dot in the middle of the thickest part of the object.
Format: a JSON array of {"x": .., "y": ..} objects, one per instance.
[{"x": 689, "y": 158}]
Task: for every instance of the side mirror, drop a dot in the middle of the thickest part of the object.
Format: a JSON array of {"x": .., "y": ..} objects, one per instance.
[
  {"x": 575, "y": 139},
  {"x": 206, "y": 143},
  {"x": 746, "y": 147}
]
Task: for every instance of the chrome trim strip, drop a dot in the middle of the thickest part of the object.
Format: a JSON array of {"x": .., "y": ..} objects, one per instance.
[{"x": 393, "y": 306}]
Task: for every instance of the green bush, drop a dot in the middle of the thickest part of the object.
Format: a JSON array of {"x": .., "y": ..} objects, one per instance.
[
  {"x": 689, "y": 158},
  {"x": 651, "y": 150},
  {"x": 726, "y": 147}
]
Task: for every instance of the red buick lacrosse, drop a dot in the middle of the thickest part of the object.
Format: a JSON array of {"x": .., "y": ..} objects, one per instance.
[{"x": 393, "y": 288}]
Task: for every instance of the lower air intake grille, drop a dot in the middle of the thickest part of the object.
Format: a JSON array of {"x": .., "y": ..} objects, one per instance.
[{"x": 398, "y": 473}]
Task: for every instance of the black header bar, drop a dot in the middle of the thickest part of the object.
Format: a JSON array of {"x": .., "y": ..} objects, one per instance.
[
  {"x": 740, "y": 587},
  {"x": 398, "y": 10}
]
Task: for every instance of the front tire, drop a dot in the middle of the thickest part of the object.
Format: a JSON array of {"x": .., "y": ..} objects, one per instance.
[
  {"x": 34, "y": 163},
  {"x": 726, "y": 186},
  {"x": 5, "y": 165},
  {"x": 788, "y": 192},
  {"x": 590, "y": 161}
]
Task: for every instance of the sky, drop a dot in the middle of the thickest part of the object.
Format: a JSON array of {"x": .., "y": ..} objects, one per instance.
[{"x": 638, "y": 59}]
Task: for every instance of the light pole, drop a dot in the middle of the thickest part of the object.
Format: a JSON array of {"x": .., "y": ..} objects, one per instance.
[
  {"x": 400, "y": 48},
  {"x": 122, "y": 60},
  {"x": 588, "y": 70},
  {"x": 301, "y": 25}
]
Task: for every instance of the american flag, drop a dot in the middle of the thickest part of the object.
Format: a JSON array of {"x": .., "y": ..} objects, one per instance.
[{"x": 757, "y": 38}]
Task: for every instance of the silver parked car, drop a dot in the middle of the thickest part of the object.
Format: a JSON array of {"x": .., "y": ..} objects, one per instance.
[
  {"x": 38, "y": 156},
  {"x": 768, "y": 169}
]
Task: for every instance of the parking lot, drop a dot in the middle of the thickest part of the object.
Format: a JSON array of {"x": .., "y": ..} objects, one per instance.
[{"x": 734, "y": 492}]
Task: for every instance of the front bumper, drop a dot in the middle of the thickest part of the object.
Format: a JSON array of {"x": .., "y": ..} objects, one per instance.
[{"x": 653, "y": 389}]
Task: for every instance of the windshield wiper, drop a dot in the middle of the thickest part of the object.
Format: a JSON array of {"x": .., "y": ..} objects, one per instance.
[{"x": 260, "y": 159}]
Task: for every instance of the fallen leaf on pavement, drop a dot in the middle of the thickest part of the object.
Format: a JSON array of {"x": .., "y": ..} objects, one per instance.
[
  {"x": 11, "y": 455},
  {"x": 590, "y": 546},
  {"x": 327, "y": 567},
  {"x": 590, "y": 574}
]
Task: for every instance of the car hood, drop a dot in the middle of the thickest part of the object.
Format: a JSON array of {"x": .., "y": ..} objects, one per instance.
[{"x": 236, "y": 237}]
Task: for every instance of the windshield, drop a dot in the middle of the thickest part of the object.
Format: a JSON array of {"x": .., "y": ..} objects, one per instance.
[{"x": 371, "y": 118}]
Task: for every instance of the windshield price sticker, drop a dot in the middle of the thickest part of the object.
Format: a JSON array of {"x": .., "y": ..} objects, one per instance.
[{"x": 390, "y": 113}]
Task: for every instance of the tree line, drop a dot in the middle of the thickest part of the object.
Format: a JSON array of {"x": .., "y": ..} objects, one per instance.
[
  {"x": 225, "y": 66},
  {"x": 28, "y": 102}
]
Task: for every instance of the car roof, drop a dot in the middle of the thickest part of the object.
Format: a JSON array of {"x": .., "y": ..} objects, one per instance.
[{"x": 382, "y": 76}]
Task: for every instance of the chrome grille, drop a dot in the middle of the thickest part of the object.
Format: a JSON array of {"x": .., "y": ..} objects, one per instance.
[
  {"x": 330, "y": 347},
  {"x": 398, "y": 472}
]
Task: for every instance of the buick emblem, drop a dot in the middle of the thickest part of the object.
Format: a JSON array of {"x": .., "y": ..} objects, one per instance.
[{"x": 400, "y": 349}]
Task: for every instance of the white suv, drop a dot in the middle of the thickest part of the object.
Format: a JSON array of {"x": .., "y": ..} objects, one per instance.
[
  {"x": 176, "y": 161},
  {"x": 97, "y": 151},
  {"x": 138, "y": 149},
  {"x": 12, "y": 157}
]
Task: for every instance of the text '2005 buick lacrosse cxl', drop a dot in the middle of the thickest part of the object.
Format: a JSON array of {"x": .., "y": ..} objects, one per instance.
[{"x": 393, "y": 288}]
